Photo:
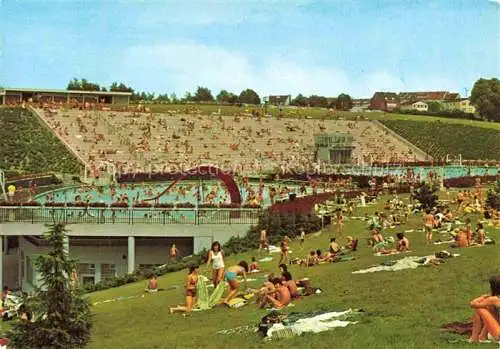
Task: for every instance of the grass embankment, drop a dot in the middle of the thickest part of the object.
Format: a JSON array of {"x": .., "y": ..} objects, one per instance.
[
  {"x": 438, "y": 139},
  {"x": 316, "y": 113},
  {"x": 29, "y": 147},
  {"x": 404, "y": 309}
]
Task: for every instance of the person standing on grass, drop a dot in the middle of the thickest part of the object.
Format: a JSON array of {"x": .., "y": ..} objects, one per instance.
[
  {"x": 173, "y": 252},
  {"x": 263, "y": 242},
  {"x": 216, "y": 258},
  {"x": 190, "y": 293},
  {"x": 428, "y": 225},
  {"x": 284, "y": 251},
  {"x": 302, "y": 239},
  {"x": 339, "y": 220},
  {"x": 486, "y": 320}
]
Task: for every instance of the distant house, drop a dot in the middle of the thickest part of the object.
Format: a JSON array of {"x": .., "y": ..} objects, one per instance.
[
  {"x": 360, "y": 105},
  {"x": 462, "y": 104},
  {"x": 386, "y": 101},
  {"x": 418, "y": 106},
  {"x": 280, "y": 100},
  {"x": 427, "y": 96}
]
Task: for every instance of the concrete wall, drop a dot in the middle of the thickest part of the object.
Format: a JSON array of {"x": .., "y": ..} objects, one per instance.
[{"x": 100, "y": 252}]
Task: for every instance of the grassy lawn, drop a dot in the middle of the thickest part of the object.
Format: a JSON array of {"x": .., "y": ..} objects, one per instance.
[
  {"x": 316, "y": 113},
  {"x": 404, "y": 309},
  {"x": 439, "y": 139}
]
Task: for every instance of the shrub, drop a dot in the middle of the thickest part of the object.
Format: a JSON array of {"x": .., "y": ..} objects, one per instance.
[
  {"x": 425, "y": 194},
  {"x": 493, "y": 198}
]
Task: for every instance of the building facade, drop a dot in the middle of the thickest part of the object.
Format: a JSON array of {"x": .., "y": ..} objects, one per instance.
[
  {"x": 19, "y": 95},
  {"x": 384, "y": 101}
]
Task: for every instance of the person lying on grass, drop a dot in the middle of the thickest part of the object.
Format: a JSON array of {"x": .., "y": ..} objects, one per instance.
[
  {"x": 231, "y": 276},
  {"x": 280, "y": 298},
  {"x": 254, "y": 266},
  {"x": 191, "y": 282},
  {"x": 486, "y": 318}
]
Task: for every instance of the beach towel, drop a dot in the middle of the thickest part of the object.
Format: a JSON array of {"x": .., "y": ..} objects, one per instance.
[
  {"x": 266, "y": 259},
  {"x": 314, "y": 324},
  {"x": 405, "y": 263},
  {"x": 206, "y": 300}
]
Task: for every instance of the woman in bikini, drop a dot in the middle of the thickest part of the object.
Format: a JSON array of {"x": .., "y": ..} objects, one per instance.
[
  {"x": 284, "y": 251},
  {"x": 486, "y": 320},
  {"x": 190, "y": 292},
  {"x": 428, "y": 225},
  {"x": 216, "y": 258},
  {"x": 231, "y": 276}
]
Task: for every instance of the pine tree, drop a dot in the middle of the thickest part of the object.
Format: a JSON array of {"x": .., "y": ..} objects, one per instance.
[
  {"x": 61, "y": 316},
  {"x": 426, "y": 195}
]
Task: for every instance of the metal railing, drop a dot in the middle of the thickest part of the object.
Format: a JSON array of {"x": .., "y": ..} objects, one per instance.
[{"x": 114, "y": 215}]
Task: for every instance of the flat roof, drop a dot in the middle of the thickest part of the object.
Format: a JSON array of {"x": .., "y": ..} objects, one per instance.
[{"x": 41, "y": 90}]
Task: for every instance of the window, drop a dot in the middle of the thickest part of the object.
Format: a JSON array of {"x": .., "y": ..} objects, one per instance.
[{"x": 108, "y": 271}]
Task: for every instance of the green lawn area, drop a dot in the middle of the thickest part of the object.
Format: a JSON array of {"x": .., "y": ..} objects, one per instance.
[
  {"x": 404, "y": 309},
  {"x": 29, "y": 147},
  {"x": 438, "y": 139},
  {"x": 317, "y": 113}
]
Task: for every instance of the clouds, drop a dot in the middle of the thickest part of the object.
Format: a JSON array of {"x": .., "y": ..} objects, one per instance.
[{"x": 182, "y": 66}]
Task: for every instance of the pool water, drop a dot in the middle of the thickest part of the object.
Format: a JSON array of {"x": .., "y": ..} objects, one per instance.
[
  {"x": 185, "y": 192},
  {"x": 449, "y": 171}
]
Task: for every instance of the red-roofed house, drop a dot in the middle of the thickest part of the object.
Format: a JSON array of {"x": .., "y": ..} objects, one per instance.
[{"x": 386, "y": 101}]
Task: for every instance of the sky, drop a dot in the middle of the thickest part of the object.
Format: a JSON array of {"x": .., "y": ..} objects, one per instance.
[{"x": 272, "y": 46}]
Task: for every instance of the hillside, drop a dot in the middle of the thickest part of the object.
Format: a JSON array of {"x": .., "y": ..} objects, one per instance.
[
  {"x": 439, "y": 139},
  {"x": 29, "y": 147},
  {"x": 404, "y": 309}
]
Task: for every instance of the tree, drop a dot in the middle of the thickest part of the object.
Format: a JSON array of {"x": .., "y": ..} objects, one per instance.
[
  {"x": 249, "y": 96},
  {"x": 163, "y": 98},
  {"x": 83, "y": 85},
  {"x": 485, "y": 96},
  {"x": 187, "y": 97},
  {"x": 299, "y": 101},
  {"x": 173, "y": 98},
  {"x": 226, "y": 97},
  {"x": 426, "y": 195},
  {"x": 61, "y": 316},
  {"x": 318, "y": 101},
  {"x": 434, "y": 107},
  {"x": 344, "y": 102},
  {"x": 120, "y": 87},
  {"x": 203, "y": 94}
]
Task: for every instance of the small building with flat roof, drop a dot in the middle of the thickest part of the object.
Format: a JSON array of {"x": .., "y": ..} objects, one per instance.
[{"x": 18, "y": 95}]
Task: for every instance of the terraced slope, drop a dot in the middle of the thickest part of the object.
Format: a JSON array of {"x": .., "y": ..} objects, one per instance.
[
  {"x": 438, "y": 139},
  {"x": 26, "y": 146}
]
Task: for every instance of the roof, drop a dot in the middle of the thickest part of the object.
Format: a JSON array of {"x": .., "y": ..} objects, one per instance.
[
  {"x": 386, "y": 95},
  {"x": 279, "y": 98},
  {"x": 41, "y": 90},
  {"x": 428, "y": 96}
]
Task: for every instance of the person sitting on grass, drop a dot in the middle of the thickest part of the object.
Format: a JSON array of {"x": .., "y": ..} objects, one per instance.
[
  {"x": 403, "y": 243},
  {"x": 282, "y": 296},
  {"x": 334, "y": 247},
  {"x": 254, "y": 266},
  {"x": 152, "y": 285},
  {"x": 352, "y": 244},
  {"x": 460, "y": 237},
  {"x": 190, "y": 293},
  {"x": 231, "y": 276},
  {"x": 290, "y": 283},
  {"x": 267, "y": 288},
  {"x": 486, "y": 320},
  {"x": 376, "y": 237},
  {"x": 480, "y": 236},
  {"x": 311, "y": 260}
]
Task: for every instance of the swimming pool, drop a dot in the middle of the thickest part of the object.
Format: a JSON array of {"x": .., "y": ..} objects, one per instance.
[
  {"x": 185, "y": 192},
  {"x": 423, "y": 171}
]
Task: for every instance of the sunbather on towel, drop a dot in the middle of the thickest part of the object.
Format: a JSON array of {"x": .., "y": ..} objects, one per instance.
[
  {"x": 231, "y": 276},
  {"x": 486, "y": 319},
  {"x": 282, "y": 296},
  {"x": 191, "y": 282}
]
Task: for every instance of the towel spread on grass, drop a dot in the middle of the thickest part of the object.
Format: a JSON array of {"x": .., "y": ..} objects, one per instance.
[
  {"x": 314, "y": 324},
  {"x": 266, "y": 259},
  {"x": 405, "y": 263}
]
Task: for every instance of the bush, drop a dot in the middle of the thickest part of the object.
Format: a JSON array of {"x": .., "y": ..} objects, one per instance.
[
  {"x": 493, "y": 198},
  {"x": 425, "y": 194}
]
